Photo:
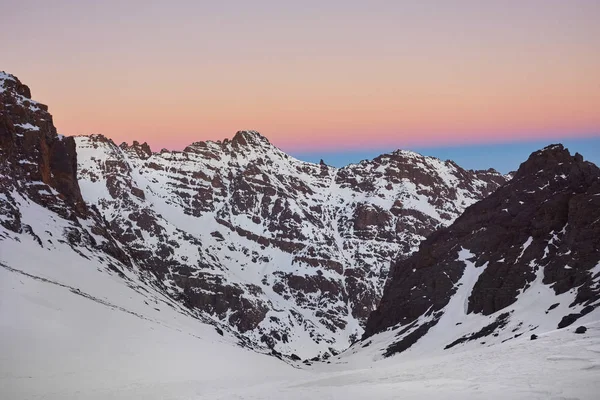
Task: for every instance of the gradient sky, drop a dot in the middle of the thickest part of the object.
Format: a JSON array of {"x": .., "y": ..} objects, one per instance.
[
  {"x": 313, "y": 76},
  {"x": 504, "y": 157}
]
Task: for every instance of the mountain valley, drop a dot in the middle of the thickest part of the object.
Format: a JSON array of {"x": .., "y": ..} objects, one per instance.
[{"x": 230, "y": 254}]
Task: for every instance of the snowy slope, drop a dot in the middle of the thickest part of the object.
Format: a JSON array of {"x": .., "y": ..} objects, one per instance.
[
  {"x": 70, "y": 330},
  {"x": 57, "y": 344}
]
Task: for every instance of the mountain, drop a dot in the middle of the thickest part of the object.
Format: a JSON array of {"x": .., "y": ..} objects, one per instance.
[
  {"x": 524, "y": 260},
  {"x": 33, "y": 155},
  {"x": 284, "y": 254},
  {"x": 291, "y": 254},
  {"x": 131, "y": 274},
  {"x": 38, "y": 174}
]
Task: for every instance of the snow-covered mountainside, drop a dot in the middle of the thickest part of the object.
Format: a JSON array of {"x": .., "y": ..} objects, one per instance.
[
  {"x": 131, "y": 274},
  {"x": 291, "y": 254},
  {"x": 522, "y": 261}
]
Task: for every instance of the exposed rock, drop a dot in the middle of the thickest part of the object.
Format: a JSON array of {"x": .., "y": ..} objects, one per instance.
[
  {"x": 39, "y": 165},
  {"x": 236, "y": 231},
  {"x": 487, "y": 330},
  {"x": 581, "y": 329},
  {"x": 539, "y": 227},
  {"x": 31, "y": 151},
  {"x": 319, "y": 238}
]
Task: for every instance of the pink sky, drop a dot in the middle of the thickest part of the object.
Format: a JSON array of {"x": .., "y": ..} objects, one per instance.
[{"x": 337, "y": 75}]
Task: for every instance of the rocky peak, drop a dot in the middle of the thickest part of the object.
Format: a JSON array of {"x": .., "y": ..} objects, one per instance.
[
  {"x": 142, "y": 151},
  {"x": 490, "y": 171},
  {"x": 31, "y": 149},
  {"x": 245, "y": 145},
  {"x": 249, "y": 138},
  {"x": 537, "y": 230},
  {"x": 553, "y": 159},
  {"x": 12, "y": 84}
]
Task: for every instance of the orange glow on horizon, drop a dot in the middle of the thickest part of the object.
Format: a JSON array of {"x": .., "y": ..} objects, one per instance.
[{"x": 386, "y": 76}]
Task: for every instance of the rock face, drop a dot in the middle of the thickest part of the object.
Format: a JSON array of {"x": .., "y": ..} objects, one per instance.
[
  {"x": 526, "y": 257},
  {"x": 32, "y": 155},
  {"x": 285, "y": 254},
  {"x": 38, "y": 167}
]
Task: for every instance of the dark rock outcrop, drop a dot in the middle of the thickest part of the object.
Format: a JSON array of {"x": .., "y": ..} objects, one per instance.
[
  {"x": 544, "y": 221},
  {"x": 40, "y": 165},
  {"x": 581, "y": 329},
  {"x": 31, "y": 150}
]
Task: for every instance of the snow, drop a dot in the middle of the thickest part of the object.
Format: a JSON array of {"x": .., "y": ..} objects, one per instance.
[
  {"x": 529, "y": 314},
  {"x": 70, "y": 329},
  {"x": 28, "y": 127},
  {"x": 524, "y": 247},
  {"x": 561, "y": 365},
  {"x": 57, "y": 344}
]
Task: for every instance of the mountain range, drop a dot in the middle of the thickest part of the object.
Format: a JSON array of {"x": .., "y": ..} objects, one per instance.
[
  {"x": 399, "y": 254},
  {"x": 287, "y": 254}
]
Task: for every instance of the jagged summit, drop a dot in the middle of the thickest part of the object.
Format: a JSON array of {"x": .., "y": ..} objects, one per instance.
[
  {"x": 142, "y": 151},
  {"x": 32, "y": 150},
  {"x": 553, "y": 159},
  {"x": 242, "y": 142},
  {"x": 249, "y": 138},
  {"x": 98, "y": 137},
  {"x": 12, "y": 83}
]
